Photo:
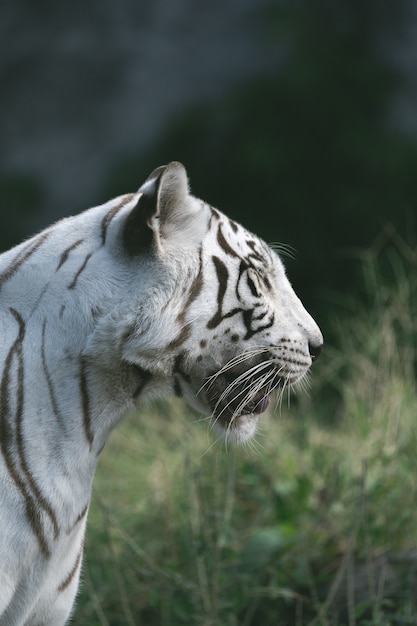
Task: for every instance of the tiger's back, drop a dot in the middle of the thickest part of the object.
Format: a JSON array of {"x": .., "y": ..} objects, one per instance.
[{"x": 150, "y": 294}]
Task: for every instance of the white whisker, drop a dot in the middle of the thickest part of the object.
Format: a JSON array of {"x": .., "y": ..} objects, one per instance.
[
  {"x": 211, "y": 446},
  {"x": 250, "y": 393},
  {"x": 283, "y": 249},
  {"x": 234, "y": 362}
]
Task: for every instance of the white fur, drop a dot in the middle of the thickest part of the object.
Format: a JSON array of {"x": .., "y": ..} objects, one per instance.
[{"x": 76, "y": 328}]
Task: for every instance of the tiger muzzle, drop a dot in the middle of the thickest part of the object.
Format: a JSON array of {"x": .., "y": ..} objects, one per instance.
[{"x": 236, "y": 392}]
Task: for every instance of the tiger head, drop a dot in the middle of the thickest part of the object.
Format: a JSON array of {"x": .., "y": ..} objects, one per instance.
[{"x": 214, "y": 318}]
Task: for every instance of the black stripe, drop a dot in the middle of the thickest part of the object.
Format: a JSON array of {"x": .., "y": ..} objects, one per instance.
[
  {"x": 7, "y": 438},
  {"x": 214, "y": 215},
  {"x": 197, "y": 282},
  {"x": 262, "y": 314},
  {"x": 49, "y": 382},
  {"x": 243, "y": 267},
  {"x": 82, "y": 268},
  {"x": 144, "y": 377},
  {"x": 39, "y": 300},
  {"x": 64, "y": 256},
  {"x": 111, "y": 214},
  {"x": 224, "y": 244},
  {"x": 179, "y": 366},
  {"x": 233, "y": 226},
  {"x": 182, "y": 336},
  {"x": 266, "y": 282},
  {"x": 194, "y": 292},
  {"x": 66, "y": 583},
  {"x": 179, "y": 372},
  {"x": 248, "y": 318},
  {"x": 177, "y": 388},
  {"x": 85, "y": 404},
  {"x": 255, "y": 254},
  {"x": 248, "y": 314},
  {"x": 214, "y": 212},
  {"x": 252, "y": 287},
  {"x": 32, "y": 246},
  {"x": 43, "y": 503},
  {"x": 222, "y": 279},
  {"x": 79, "y": 518}
]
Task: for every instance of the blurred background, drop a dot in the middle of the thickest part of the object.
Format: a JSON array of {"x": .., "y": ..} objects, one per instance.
[{"x": 297, "y": 118}]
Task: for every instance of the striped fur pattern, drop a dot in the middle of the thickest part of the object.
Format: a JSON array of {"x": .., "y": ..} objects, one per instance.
[{"x": 153, "y": 293}]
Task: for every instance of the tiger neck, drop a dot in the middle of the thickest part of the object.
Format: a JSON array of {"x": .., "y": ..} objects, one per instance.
[{"x": 51, "y": 440}]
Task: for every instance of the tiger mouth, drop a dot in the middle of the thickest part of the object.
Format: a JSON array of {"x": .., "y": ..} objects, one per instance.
[
  {"x": 260, "y": 406},
  {"x": 255, "y": 407},
  {"x": 229, "y": 409},
  {"x": 232, "y": 396}
]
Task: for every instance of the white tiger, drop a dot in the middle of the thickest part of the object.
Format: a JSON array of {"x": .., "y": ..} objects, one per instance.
[{"x": 152, "y": 293}]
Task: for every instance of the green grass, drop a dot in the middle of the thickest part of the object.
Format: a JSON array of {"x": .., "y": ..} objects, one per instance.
[{"x": 313, "y": 524}]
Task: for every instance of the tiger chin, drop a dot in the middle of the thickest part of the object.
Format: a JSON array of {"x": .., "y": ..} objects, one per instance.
[{"x": 153, "y": 293}]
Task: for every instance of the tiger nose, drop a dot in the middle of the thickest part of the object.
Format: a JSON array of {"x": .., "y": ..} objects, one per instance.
[{"x": 315, "y": 348}]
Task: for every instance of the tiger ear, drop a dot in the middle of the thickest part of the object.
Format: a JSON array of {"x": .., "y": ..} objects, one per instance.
[{"x": 163, "y": 196}]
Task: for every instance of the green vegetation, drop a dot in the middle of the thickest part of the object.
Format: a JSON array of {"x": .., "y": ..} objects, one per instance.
[{"x": 314, "y": 523}]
